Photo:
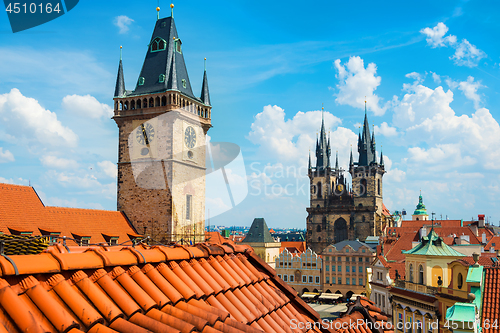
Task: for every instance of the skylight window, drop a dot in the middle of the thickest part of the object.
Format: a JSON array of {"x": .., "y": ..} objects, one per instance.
[{"x": 158, "y": 44}]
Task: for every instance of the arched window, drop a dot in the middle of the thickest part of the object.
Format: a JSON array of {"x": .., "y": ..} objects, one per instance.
[
  {"x": 420, "y": 274},
  {"x": 138, "y": 103},
  {"x": 411, "y": 272},
  {"x": 319, "y": 239},
  {"x": 163, "y": 101},
  {"x": 318, "y": 228},
  {"x": 151, "y": 102},
  {"x": 378, "y": 186},
  {"x": 158, "y": 44},
  {"x": 460, "y": 282},
  {"x": 363, "y": 189},
  {"x": 319, "y": 190},
  {"x": 144, "y": 103}
]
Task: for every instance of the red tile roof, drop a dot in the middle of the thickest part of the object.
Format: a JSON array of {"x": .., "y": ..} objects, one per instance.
[
  {"x": 491, "y": 302},
  {"x": 22, "y": 210},
  {"x": 301, "y": 246},
  {"x": 484, "y": 260},
  {"x": 494, "y": 240},
  {"x": 204, "y": 288}
]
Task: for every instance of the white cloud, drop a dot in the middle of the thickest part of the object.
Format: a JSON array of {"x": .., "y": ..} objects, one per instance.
[
  {"x": 395, "y": 176},
  {"x": 436, "y": 34},
  {"x": 436, "y": 78},
  {"x": 356, "y": 82},
  {"x": 87, "y": 106},
  {"x": 6, "y": 156},
  {"x": 23, "y": 118},
  {"x": 414, "y": 75},
  {"x": 469, "y": 89},
  {"x": 452, "y": 84},
  {"x": 109, "y": 168},
  {"x": 288, "y": 141},
  {"x": 386, "y": 130},
  {"x": 425, "y": 115},
  {"x": 14, "y": 181},
  {"x": 123, "y": 22},
  {"x": 466, "y": 54},
  {"x": 51, "y": 161}
]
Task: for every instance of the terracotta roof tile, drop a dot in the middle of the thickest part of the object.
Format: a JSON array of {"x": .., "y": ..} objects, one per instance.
[
  {"x": 230, "y": 292},
  {"x": 22, "y": 210},
  {"x": 491, "y": 304}
]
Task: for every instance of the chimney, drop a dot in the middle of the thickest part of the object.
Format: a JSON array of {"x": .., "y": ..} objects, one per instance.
[
  {"x": 480, "y": 219},
  {"x": 483, "y": 240},
  {"x": 475, "y": 257}
]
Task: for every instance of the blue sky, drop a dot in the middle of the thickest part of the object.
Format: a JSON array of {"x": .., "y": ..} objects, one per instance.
[{"x": 430, "y": 71}]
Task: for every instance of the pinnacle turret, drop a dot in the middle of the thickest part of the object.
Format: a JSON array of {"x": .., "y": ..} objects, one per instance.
[
  {"x": 205, "y": 95},
  {"x": 120, "y": 80}
]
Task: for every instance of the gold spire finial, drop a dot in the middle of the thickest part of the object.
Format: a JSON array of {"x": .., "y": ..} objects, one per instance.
[
  {"x": 157, "y": 9},
  {"x": 121, "y": 47},
  {"x": 172, "y": 10},
  {"x": 171, "y": 5}
]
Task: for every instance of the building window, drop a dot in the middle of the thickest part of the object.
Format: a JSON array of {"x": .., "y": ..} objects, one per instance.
[
  {"x": 141, "y": 81},
  {"x": 327, "y": 268},
  {"x": 363, "y": 250},
  {"x": 178, "y": 44},
  {"x": 354, "y": 269},
  {"x": 360, "y": 281},
  {"x": 411, "y": 272},
  {"x": 330, "y": 250},
  {"x": 378, "y": 186},
  {"x": 346, "y": 258},
  {"x": 347, "y": 269},
  {"x": 327, "y": 258},
  {"x": 304, "y": 278},
  {"x": 84, "y": 241},
  {"x": 460, "y": 281},
  {"x": 347, "y": 281},
  {"x": 113, "y": 241},
  {"x": 189, "y": 203},
  {"x": 420, "y": 274},
  {"x": 339, "y": 259},
  {"x": 291, "y": 278},
  {"x": 360, "y": 259},
  {"x": 158, "y": 44},
  {"x": 279, "y": 275},
  {"x": 360, "y": 269},
  {"x": 353, "y": 281},
  {"x": 285, "y": 278},
  {"x": 346, "y": 250},
  {"x": 333, "y": 258},
  {"x": 367, "y": 259},
  {"x": 339, "y": 280},
  {"x": 317, "y": 279},
  {"x": 184, "y": 83},
  {"x": 161, "y": 78},
  {"x": 327, "y": 279},
  {"x": 383, "y": 301},
  {"x": 339, "y": 269},
  {"x": 333, "y": 280},
  {"x": 333, "y": 268},
  {"x": 310, "y": 279}
]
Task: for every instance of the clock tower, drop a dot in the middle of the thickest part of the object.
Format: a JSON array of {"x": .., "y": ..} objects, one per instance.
[{"x": 161, "y": 150}]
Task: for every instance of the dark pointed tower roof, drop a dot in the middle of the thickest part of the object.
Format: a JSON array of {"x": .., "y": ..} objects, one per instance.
[
  {"x": 309, "y": 166},
  {"x": 381, "y": 157},
  {"x": 337, "y": 160},
  {"x": 322, "y": 148},
  {"x": 366, "y": 148},
  {"x": 164, "y": 57},
  {"x": 120, "y": 80},
  {"x": 351, "y": 161},
  {"x": 205, "y": 95},
  {"x": 258, "y": 232}
]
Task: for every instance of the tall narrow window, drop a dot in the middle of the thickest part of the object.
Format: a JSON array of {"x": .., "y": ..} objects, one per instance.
[
  {"x": 378, "y": 186},
  {"x": 161, "y": 78},
  {"x": 158, "y": 44},
  {"x": 189, "y": 203},
  {"x": 178, "y": 44},
  {"x": 420, "y": 274},
  {"x": 411, "y": 273}
]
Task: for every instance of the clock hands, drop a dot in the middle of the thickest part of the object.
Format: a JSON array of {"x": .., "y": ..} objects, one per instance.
[{"x": 145, "y": 135}]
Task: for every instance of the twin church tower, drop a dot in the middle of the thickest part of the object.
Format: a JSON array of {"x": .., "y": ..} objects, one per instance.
[
  {"x": 161, "y": 150},
  {"x": 338, "y": 212}
]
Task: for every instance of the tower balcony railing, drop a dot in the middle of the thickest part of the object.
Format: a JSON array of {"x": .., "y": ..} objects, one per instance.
[{"x": 412, "y": 286}]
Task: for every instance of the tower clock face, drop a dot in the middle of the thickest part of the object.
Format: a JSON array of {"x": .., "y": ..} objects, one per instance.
[
  {"x": 190, "y": 137},
  {"x": 145, "y": 134}
]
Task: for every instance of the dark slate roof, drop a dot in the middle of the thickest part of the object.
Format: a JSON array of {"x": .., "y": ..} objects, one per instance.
[
  {"x": 352, "y": 243},
  {"x": 120, "y": 81},
  {"x": 165, "y": 62},
  {"x": 205, "y": 95},
  {"x": 259, "y": 232}
]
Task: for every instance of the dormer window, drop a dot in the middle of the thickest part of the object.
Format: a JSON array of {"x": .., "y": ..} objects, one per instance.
[
  {"x": 184, "y": 83},
  {"x": 141, "y": 81},
  {"x": 161, "y": 79},
  {"x": 158, "y": 44},
  {"x": 178, "y": 44}
]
